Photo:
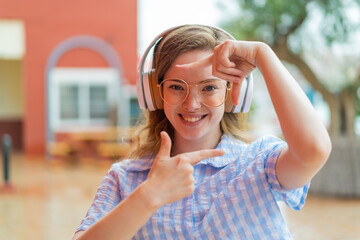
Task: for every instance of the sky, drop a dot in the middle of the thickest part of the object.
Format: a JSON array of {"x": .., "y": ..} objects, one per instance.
[{"x": 155, "y": 16}]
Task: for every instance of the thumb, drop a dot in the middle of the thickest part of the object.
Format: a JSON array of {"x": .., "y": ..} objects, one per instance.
[
  {"x": 165, "y": 146},
  {"x": 164, "y": 151}
]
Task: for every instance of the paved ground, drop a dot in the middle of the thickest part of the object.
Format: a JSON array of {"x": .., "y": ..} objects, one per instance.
[{"x": 51, "y": 197}]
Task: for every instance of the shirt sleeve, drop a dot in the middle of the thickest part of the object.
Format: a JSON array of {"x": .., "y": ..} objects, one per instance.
[
  {"x": 295, "y": 199},
  {"x": 106, "y": 198}
]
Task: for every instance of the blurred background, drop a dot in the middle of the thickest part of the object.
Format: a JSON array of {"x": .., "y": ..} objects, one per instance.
[{"x": 68, "y": 99}]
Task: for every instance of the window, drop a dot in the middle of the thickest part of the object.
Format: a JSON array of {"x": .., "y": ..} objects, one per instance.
[
  {"x": 130, "y": 112},
  {"x": 82, "y": 97},
  {"x": 98, "y": 107},
  {"x": 69, "y": 98},
  {"x": 135, "y": 111}
]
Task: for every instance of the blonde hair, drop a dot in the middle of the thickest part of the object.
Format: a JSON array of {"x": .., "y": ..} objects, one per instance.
[{"x": 178, "y": 41}]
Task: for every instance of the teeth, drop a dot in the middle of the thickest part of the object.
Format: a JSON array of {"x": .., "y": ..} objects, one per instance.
[{"x": 191, "y": 119}]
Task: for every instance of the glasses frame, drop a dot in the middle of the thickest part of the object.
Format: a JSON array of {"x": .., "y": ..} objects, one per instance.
[{"x": 228, "y": 89}]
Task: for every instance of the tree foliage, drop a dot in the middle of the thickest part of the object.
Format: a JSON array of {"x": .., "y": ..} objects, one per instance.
[
  {"x": 293, "y": 28},
  {"x": 274, "y": 19}
]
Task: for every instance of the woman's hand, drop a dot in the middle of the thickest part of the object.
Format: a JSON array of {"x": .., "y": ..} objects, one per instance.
[
  {"x": 171, "y": 178},
  {"x": 231, "y": 61}
]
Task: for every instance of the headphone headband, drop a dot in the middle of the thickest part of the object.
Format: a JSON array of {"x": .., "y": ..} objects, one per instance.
[
  {"x": 148, "y": 95},
  {"x": 164, "y": 33}
]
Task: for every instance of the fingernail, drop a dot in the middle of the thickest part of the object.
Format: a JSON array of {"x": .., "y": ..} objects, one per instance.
[{"x": 163, "y": 133}]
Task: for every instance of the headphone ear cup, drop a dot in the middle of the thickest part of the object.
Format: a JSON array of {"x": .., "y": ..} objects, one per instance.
[
  {"x": 140, "y": 91},
  {"x": 249, "y": 94},
  {"x": 147, "y": 91},
  {"x": 155, "y": 91},
  {"x": 151, "y": 91}
]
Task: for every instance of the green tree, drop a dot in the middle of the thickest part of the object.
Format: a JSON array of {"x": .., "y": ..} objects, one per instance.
[{"x": 296, "y": 28}]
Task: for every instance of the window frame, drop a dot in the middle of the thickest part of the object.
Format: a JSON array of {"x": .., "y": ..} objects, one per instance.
[{"x": 83, "y": 78}]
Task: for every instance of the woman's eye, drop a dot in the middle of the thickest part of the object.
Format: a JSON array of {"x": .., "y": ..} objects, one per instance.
[
  {"x": 209, "y": 88},
  {"x": 176, "y": 87}
]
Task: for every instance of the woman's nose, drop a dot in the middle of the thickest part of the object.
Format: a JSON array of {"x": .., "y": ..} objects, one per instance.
[{"x": 192, "y": 101}]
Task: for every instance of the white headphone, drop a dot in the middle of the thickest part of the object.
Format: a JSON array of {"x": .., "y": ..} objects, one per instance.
[{"x": 148, "y": 92}]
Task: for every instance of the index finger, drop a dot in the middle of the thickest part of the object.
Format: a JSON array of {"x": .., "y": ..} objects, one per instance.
[
  {"x": 197, "y": 156},
  {"x": 198, "y": 64}
]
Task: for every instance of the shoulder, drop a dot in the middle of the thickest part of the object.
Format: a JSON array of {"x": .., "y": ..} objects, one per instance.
[
  {"x": 269, "y": 139},
  {"x": 262, "y": 144},
  {"x": 120, "y": 166},
  {"x": 118, "y": 170},
  {"x": 260, "y": 150},
  {"x": 132, "y": 165},
  {"x": 267, "y": 143},
  {"x": 241, "y": 153}
]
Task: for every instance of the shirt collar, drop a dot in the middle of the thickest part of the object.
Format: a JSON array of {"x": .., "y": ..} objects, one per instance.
[{"x": 143, "y": 164}]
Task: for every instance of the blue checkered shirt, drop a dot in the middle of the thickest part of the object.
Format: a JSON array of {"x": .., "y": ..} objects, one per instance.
[{"x": 235, "y": 196}]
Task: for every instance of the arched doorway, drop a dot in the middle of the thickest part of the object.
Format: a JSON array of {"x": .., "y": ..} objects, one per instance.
[{"x": 78, "y": 98}]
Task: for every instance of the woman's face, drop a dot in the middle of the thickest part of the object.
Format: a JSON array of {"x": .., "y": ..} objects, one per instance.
[{"x": 192, "y": 119}]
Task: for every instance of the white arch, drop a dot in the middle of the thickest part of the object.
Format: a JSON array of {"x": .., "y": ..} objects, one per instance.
[{"x": 83, "y": 41}]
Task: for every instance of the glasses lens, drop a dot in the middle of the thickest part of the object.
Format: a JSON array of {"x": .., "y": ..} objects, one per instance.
[
  {"x": 173, "y": 91},
  {"x": 211, "y": 93}
]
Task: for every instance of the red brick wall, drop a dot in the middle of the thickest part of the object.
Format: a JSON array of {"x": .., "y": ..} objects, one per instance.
[{"x": 47, "y": 24}]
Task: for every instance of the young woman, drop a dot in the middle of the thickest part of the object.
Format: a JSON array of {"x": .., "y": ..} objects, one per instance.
[{"x": 195, "y": 175}]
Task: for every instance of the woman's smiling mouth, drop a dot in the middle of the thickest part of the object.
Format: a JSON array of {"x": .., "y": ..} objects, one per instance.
[{"x": 192, "y": 119}]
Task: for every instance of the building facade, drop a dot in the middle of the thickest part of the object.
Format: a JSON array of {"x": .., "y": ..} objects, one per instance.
[{"x": 65, "y": 65}]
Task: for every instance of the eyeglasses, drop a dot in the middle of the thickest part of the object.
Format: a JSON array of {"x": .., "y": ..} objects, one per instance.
[{"x": 212, "y": 92}]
